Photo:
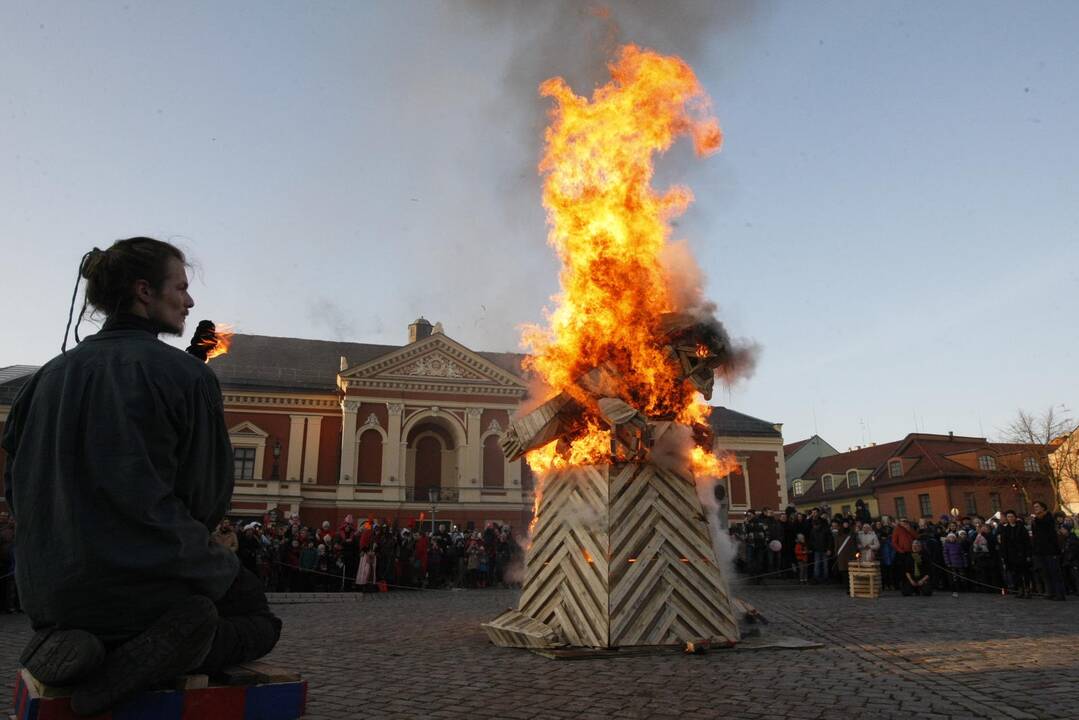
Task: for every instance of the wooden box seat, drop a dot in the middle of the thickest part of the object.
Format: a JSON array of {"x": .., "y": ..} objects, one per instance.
[
  {"x": 864, "y": 580},
  {"x": 252, "y": 691}
]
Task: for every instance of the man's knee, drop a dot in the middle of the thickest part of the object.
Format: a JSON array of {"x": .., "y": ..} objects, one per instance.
[
  {"x": 246, "y": 596},
  {"x": 242, "y": 639}
]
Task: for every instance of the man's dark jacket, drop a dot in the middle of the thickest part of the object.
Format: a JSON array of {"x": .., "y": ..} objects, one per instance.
[
  {"x": 1014, "y": 544},
  {"x": 1045, "y": 541},
  {"x": 119, "y": 465}
]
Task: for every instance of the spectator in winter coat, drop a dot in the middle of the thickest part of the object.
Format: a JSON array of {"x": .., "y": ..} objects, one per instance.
[
  {"x": 308, "y": 562},
  {"x": 1070, "y": 558},
  {"x": 225, "y": 536},
  {"x": 1015, "y": 551},
  {"x": 956, "y": 562},
  {"x": 983, "y": 557},
  {"x": 789, "y": 529},
  {"x": 1046, "y": 551},
  {"x": 846, "y": 544},
  {"x": 801, "y": 557},
  {"x": 868, "y": 544},
  {"x": 249, "y": 550},
  {"x": 773, "y": 531},
  {"x": 861, "y": 512},
  {"x": 820, "y": 538}
]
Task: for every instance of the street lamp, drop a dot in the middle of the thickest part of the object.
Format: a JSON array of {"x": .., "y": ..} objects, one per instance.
[
  {"x": 433, "y": 495},
  {"x": 276, "y": 457}
]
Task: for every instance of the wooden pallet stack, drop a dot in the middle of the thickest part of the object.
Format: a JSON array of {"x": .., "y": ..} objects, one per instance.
[
  {"x": 252, "y": 691},
  {"x": 621, "y": 556},
  {"x": 864, "y": 580}
]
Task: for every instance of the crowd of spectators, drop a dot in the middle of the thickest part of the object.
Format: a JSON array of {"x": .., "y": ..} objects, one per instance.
[
  {"x": 1036, "y": 555},
  {"x": 372, "y": 555},
  {"x": 1029, "y": 556}
]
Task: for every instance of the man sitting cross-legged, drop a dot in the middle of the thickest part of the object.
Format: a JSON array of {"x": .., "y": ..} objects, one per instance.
[
  {"x": 917, "y": 572},
  {"x": 119, "y": 467}
]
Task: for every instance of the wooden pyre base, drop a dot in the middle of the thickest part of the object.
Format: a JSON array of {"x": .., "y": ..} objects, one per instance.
[{"x": 621, "y": 556}]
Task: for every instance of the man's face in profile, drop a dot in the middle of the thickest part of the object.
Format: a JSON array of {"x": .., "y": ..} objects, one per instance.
[{"x": 169, "y": 305}]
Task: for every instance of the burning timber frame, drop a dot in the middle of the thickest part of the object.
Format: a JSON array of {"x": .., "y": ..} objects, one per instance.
[{"x": 621, "y": 553}]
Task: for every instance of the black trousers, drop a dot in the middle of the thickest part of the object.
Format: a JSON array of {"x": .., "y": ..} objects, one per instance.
[{"x": 246, "y": 629}]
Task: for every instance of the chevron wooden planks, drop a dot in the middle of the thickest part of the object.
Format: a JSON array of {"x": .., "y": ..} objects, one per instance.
[
  {"x": 515, "y": 629},
  {"x": 622, "y": 556}
]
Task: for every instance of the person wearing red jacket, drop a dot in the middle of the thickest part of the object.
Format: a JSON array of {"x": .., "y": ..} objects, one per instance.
[
  {"x": 903, "y": 538},
  {"x": 801, "y": 557}
]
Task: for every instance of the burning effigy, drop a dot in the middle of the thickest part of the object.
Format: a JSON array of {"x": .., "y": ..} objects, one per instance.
[{"x": 621, "y": 551}]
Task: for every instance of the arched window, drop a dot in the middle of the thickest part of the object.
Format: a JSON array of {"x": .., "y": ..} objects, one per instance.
[
  {"x": 494, "y": 469},
  {"x": 798, "y": 488},
  {"x": 370, "y": 461},
  {"x": 827, "y": 483},
  {"x": 852, "y": 478}
]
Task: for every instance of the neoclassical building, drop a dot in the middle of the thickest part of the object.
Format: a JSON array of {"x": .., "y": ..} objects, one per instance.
[{"x": 329, "y": 429}]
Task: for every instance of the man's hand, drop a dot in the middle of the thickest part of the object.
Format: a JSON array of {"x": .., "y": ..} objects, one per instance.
[{"x": 204, "y": 340}]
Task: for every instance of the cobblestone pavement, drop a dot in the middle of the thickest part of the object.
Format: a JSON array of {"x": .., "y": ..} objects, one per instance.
[{"x": 423, "y": 655}]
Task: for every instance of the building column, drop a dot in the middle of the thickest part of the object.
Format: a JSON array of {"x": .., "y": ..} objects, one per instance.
[
  {"x": 310, "y": 456},
  {"x": 295, "y": 447},
  {"x": 473, "y": 465},
  {"x": 349, "y": 408},
  {"x": 393, "y": 472}
]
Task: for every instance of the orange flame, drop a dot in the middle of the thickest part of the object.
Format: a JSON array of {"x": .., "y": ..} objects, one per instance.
[
  {"x": 609, "y": 228},
  {"x": 709, "y": 465},
  {"x": 222, "y": 341}
]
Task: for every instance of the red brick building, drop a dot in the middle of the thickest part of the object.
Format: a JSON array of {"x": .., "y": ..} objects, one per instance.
[{"x": 926, "y": 475}]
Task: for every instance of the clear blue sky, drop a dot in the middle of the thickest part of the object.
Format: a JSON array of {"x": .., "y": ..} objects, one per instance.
[{"x": 893, "y": 217}]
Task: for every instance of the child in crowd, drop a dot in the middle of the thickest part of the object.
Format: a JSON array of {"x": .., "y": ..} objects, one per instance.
[
  {"x": 801, "y": 556},
  {"x": 956, "y": 562}
]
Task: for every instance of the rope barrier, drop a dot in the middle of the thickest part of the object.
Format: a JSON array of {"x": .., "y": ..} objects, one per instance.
[
  {"x": 1003, "y": 590},
  {"x": 344, "y": 579}
]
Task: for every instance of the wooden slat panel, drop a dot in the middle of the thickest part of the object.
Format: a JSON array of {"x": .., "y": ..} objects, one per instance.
[{"x": 610, "y": 514}]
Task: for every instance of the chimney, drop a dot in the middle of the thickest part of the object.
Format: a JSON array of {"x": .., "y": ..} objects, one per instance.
[
  {"x": 951, "y": 435},
  {"x": 419, "y": 330}
]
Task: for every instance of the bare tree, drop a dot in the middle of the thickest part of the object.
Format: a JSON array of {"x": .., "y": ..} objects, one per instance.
[{"x": 1052, "y": 438}]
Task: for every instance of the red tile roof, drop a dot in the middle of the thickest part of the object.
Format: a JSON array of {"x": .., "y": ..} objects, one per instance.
[
  {"x": 924, "y": 456},
  {"x": 867, "y": 458}
]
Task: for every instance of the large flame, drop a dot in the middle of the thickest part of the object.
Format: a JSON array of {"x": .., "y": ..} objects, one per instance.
[
  {"x": 221, "y": 342},
  {"x": 610, "y": 227}
]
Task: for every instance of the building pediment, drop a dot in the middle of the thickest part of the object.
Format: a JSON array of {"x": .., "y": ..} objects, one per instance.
[
  {"x": 248, "y": 429},
  {"x": 434, "y": 364}
]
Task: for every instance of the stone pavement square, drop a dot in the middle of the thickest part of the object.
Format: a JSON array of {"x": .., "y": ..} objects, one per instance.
[{"x": 423, "y": 655}]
